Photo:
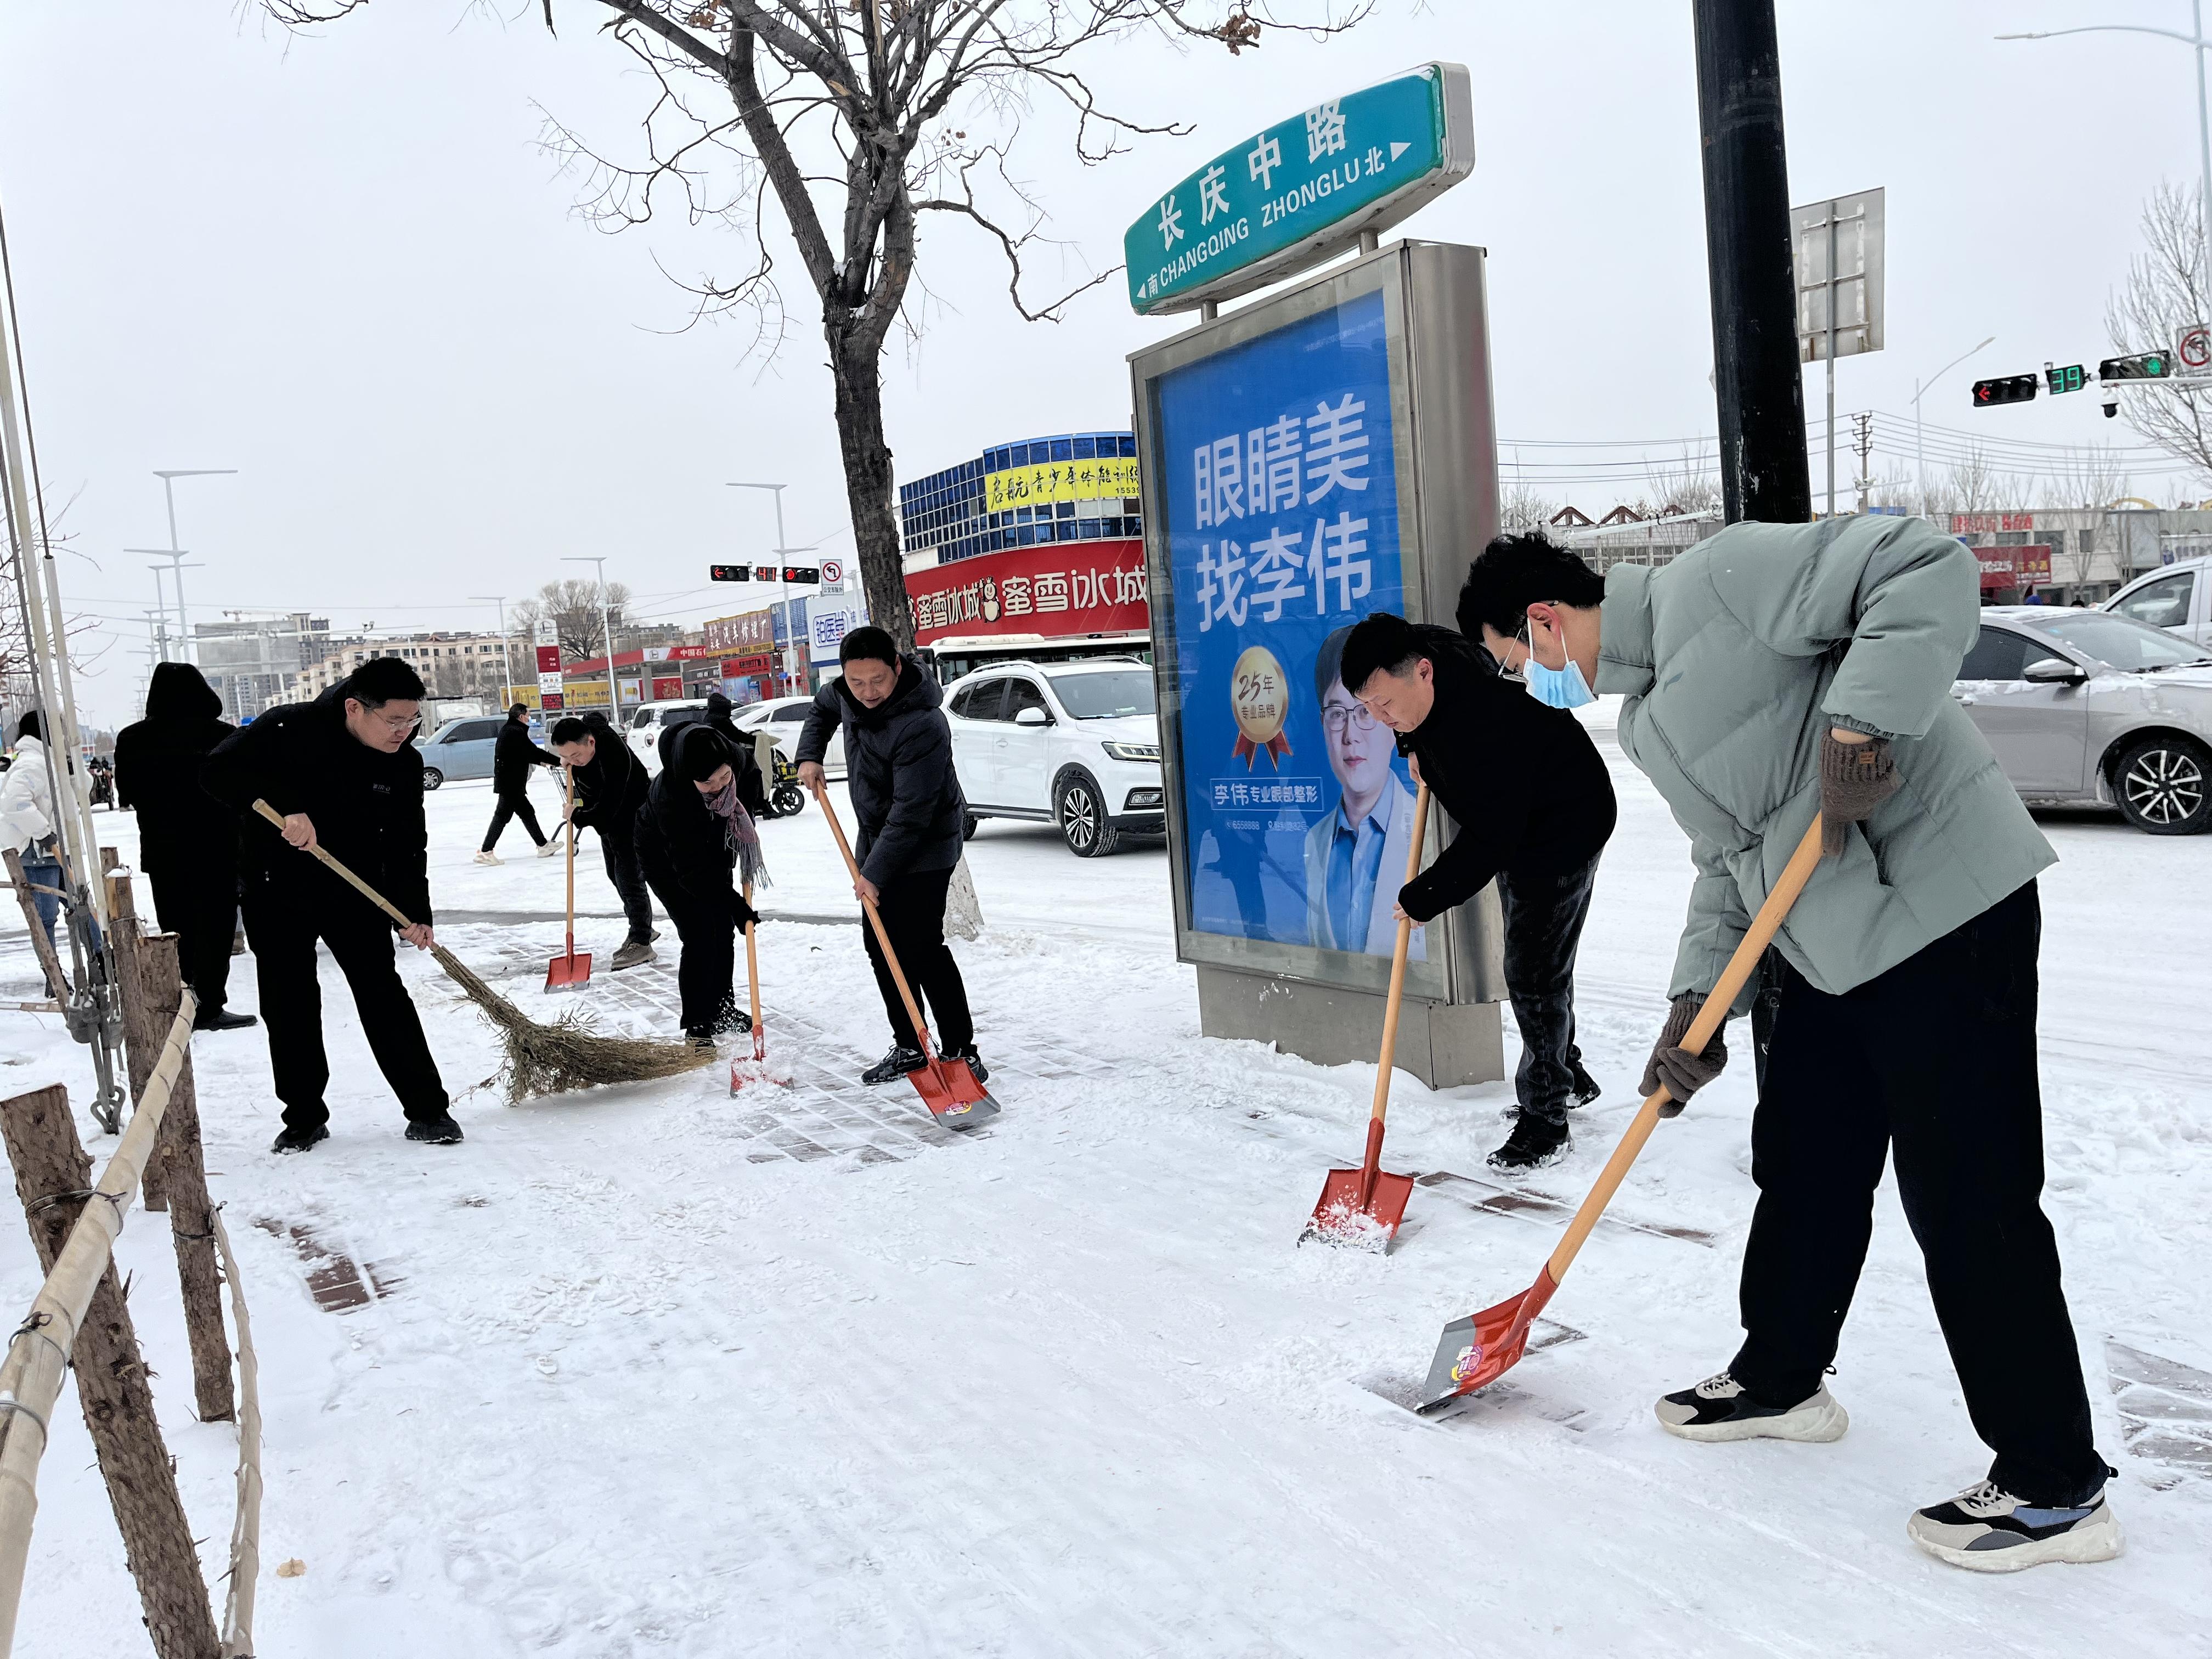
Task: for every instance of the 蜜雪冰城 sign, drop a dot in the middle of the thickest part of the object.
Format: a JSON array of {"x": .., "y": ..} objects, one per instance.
[{"x": 1303, "y": 190}]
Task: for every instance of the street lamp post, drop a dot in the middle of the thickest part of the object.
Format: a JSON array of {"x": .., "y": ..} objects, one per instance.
[
  {"x": 606, "y": 622},
  {"x": 2195, "y": 39},
  {"x": 175, "y": 555},
  {"x": 507, "y": 647},
  {"x": 1919, "y": 457}
]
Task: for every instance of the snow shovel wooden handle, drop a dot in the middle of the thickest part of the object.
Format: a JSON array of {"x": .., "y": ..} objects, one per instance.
[
  {"x": 352, "y": 880},
  {"x": 568, "y": 819},
  {"x": 1760, "y": 934},
  {"x": 1397, "y": 981},
  {"x": 752, "y": 980},
  {"x": 876, "y": 921}
]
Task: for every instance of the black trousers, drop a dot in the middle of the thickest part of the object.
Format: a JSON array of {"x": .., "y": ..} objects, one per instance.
[
  {"x": 707, "y": 964},
  {"x": 1544, "y": 917},
  {"x": 514, "y": 805},
  {"x": 198, "y": 903},
  {"x": 1935, "y": 1060},
  {"x": 913, "y": 909},
  {"x": 627, "y": 877},
  {"x": 282, "y": 932}
]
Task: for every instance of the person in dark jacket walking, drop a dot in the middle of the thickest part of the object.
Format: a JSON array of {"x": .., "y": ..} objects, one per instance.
[
  {"x": 1533, "y": 807},
  {"x": 610, "y": 785},
  {"x": 187, "y": 839},
  {"x": 911, "y": 816},
  {"x": 697, "y": 829},
  {"x": 346, "y": 777},
  {"x": 511, "y": 762}
]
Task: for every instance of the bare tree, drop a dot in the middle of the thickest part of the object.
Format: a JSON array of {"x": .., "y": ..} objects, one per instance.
[
  {"x": 2163, "y": 299},
  {"x": 1689, "y": 486},
  {"x": 857, "y": 116},
  {"x": 1976, "y": 484},
  {"x": 2090, "y": 479},
  {"x": 572, "y": 607},
  {"x": 1524, "y": 507}
]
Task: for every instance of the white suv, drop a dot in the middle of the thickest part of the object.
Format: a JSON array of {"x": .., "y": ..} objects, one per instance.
[{"x": 1074, "y": 743}]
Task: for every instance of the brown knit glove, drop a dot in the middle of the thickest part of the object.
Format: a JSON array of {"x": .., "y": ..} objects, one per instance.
[
  {"x": 1684, "y": 1073},
  {"x": 1855, "y": 778}
]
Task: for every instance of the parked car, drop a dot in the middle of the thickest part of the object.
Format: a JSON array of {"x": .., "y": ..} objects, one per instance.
[
  {"x": 1075, "y": 743},
  {"x": 2176, "y": 597},
  {"x": 783, "y": 719},
  {"x": 2090, "y": 708},
  {"x": 458, "y": 748},
  {"x": 641, "y": 727}
]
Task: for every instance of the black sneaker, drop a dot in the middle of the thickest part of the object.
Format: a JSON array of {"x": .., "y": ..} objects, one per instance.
[
  {"x": 221, "y": 1019},
  {"x": 974, "y": 1061},
  {"x": 701, "y": 1037},
  {"x": 1986, "y": 1529},
  {"x": 298, "y": 1140},
  {"x": 1719, "y": 1409},
  {"x": 439, "y": 1131},
  {"x": 897, "y": 1063},
  {"x": 1534, "y": 1144},
  {"x": 732, "y": 1019},
  {"x": 1585, "y": 1087}
]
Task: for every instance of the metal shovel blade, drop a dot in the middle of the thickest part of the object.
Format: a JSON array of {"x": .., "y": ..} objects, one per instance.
[
  {"x": 1475, "y": 1352},
  {"x": 756, "y": 1073},
  {"x": 569, "y": 973},
  {"x": 950, "y": 1091},
  {"x": 1341, "y": 1218}
]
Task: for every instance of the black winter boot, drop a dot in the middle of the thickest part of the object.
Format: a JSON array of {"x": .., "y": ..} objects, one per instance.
[
  {"x": 1534, "y": 1144},
  {"x": 897, "y": 1063}
]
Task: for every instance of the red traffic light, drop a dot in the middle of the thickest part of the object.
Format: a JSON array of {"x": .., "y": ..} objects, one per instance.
[
  {"x": 730, "y": 572},
  {"x": 2007, "y": 389},
  {"x": 801, "y": 573}
]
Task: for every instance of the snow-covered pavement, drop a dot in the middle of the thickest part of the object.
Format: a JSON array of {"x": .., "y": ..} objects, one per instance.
[{"x": 656, "y": 1371}]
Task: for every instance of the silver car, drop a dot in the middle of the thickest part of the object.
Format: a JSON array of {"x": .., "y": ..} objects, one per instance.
[{"x": 2089, "y": 708}]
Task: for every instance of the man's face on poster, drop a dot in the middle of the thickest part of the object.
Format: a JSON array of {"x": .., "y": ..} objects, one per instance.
[{"x": 1360, "y": 748}]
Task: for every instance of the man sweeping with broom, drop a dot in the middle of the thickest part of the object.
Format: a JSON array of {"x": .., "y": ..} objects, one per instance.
[
  {"x": 1772, "y": 673},
  {"x": 344, "y": 774}
]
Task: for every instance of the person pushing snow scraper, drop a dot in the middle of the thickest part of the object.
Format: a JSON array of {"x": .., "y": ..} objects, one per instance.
[
  {"x": 907, "y": 798},
  {"x": 610, "y": 785},
  {"x": 1771, "y": 672},
  {"x": 1535, "y": 809}
]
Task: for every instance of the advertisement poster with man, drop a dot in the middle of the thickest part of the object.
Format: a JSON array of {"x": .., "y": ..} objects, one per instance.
[{"x": 1282, "y": 524}]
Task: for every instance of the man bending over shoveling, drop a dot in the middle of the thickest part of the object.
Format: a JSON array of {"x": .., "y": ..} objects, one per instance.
[
  {"x": 1770, "y": 673},
  {"x": 898, "y": 770},
  {"x": 346, "y": 776},
  {"x": 1534, "y": 808}
]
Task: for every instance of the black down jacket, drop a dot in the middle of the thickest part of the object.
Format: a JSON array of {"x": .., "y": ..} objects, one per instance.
[
  {"x": 898, "y": 770},
  {"x": 181, "y": 826},
  {"x": 686, "y": 858},
  {"x": 513, "y": 757}
]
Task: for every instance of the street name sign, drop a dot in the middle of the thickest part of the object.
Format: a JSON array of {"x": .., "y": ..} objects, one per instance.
[{"x": 1303, "y": 191}]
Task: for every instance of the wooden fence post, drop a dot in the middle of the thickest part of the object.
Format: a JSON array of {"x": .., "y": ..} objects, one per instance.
[
  {"x": 191, "y": 1215},
  {"x": 144, "y": 1028},
  {"x": 53, "y": 1176}
]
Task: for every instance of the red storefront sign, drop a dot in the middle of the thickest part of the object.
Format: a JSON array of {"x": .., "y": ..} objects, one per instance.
[
  {"x": 1975, "y": 524},
  {"x": 1060, "y": 589},
  {"x": 2032, "y": 563},
  {"x": 2013, "y": 566},
  {"x": 669, "y": 689}
]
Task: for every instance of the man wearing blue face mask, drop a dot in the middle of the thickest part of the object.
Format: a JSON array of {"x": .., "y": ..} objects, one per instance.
[
  {"x": 1775, "y": 672},
  {"x": 1533, "y": 806}
]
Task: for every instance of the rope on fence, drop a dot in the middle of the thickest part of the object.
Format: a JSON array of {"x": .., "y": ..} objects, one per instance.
[
  {"x": 245, "y": 1531},
  {"x": 31, "y": 1373}
]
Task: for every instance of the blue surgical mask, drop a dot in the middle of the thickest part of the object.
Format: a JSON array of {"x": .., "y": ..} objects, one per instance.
[{"x": 1558, "y": 688}]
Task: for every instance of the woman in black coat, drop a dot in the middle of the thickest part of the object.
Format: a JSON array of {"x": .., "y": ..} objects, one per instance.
[{"x": 697, "y": 839}]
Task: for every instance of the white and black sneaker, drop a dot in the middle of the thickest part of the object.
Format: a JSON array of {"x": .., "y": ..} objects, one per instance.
[
  {"x": 1986, "y": 1529},
  {"x": 897, "y": 1063},
  {"x": 1719, "y": 1409}
]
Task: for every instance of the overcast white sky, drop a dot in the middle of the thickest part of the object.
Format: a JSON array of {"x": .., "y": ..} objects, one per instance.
[{"x": 343, "y": 265}]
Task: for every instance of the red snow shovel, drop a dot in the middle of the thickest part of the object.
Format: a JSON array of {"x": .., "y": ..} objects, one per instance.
[
  {"x": 570, "y": 971},
  {"x": 947, "y": 1087},
  {"x": 1364, "y": 1205},
  {"x": 1477, "y": 1350}
]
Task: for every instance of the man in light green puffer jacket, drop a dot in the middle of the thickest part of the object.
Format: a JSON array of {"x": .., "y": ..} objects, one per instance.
[{"x": 1772, "y": 673}]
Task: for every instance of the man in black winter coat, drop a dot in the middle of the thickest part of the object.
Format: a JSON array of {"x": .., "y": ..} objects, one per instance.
[
  {"x": 511, "y": 761},
  {"x": 610, "y": 786},
  {"x": 1534, "y": 808},
  {"x": 187, "y": 839},
  {"x": 345, "y": 775},
  {"x": 698, "y": 835},
  {"x": 911, "y": 815}
]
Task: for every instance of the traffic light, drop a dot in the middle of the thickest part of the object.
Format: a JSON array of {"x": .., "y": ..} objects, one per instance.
[
  {"x": 2008, "y": 389},
  {"x": 730, "y": 572},
  {"x": 2072, "y": 378},
  {"x": 2144, "y": 366},
  {"x": 802, "y": 573}
]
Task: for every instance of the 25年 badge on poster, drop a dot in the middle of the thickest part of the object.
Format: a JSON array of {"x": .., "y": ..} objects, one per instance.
[{"x": 1260, "y": 700}]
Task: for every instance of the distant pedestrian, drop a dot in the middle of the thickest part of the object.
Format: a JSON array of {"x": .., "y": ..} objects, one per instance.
[
  {"x": 511, "y": 762},
  {"x": 911, "y": 817},
  {"x": 697, "y": 839},
  {"x": 27, "y": 821},
  {"x": 610, "y": 785},
  {"x": 187, "y": 839},
  {"x": 343, "y": 774}
]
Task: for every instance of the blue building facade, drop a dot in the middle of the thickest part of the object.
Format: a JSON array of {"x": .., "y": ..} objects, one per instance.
[{"x": 1076, "y": 486}]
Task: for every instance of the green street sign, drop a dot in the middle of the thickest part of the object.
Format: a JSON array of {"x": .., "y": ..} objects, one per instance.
[{"x": 1303, "y": 190}]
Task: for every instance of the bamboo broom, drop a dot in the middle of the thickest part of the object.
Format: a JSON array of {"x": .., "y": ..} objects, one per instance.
[{"x": 541, "y": 1060}]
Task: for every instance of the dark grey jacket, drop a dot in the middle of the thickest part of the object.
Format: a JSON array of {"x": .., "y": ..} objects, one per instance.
[{"x": 898, "y": 770}]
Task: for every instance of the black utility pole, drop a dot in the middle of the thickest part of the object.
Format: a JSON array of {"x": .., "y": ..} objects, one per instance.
[{"x": 1755, "y": 373}]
